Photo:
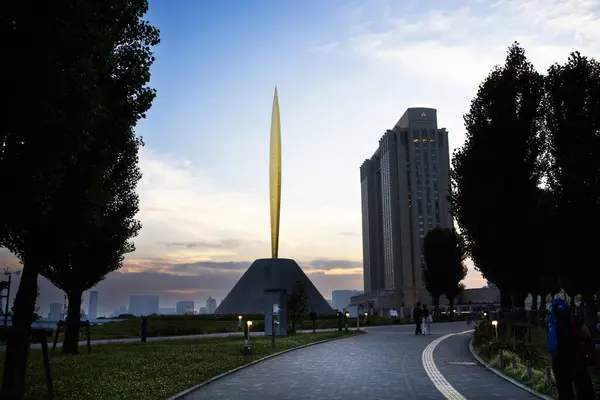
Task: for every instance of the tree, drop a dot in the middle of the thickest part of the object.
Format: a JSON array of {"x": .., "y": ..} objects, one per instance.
[
  {"x": 445, "y": 252},
  {"x": 573, "y": 123},
  {"x": 105, "y": 242},
  {"x": 297, "y": 304},
  {"x": 496, "y": 173},
  {"x": 102, "y": 184},
  {"x": 46, "y": 125},
  {"x": 437, "y": 252}
]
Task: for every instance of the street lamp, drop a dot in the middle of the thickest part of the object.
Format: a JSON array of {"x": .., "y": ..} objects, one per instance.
[
  {"x": 495, "y": 323},
  {"x": 240, "y": 322},
  {"x": 366, "y": 317},
  {"x": 347, "y": 316},
  {"x": 247, "y": 350}
]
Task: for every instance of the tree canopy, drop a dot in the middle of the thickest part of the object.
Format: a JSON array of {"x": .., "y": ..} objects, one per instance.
[
  {"x": 98, "y": 201},
  {"x": 496, "y": 173},
  {"x": 73, "y": 78},
  {"x": 444, "y": 251}
]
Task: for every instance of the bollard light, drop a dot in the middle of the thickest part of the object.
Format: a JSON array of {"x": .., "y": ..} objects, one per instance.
[
  {"x": 239, "y": 317},
  {"x": 485, "y": 314},
  {"x": 347, "y": 315},
  {"x": 495, "y": 324},
  {"x": 366, "y": 314},
  {"x": 249, "y": 324}
]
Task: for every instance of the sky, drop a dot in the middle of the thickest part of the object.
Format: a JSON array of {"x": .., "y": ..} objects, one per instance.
[{"x": 345, "y": 71}]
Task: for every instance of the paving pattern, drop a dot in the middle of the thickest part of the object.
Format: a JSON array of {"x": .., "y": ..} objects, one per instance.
[
  {"x": 385, "y": 364},
  {"x": 473, "y": 381}
]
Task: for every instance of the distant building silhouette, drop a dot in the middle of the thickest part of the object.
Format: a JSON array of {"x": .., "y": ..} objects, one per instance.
[
  {"x": 184, "y": 307},
  {"x": 56, "y": 310},
  {"x": 340, "y": 299},
  {"x": 211, "y": 305},
  {"x": 143, "y": 305},
  {"x": 93, "y": 306}
]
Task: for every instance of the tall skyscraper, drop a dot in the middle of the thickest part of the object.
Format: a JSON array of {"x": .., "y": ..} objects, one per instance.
[
  {"x": 404, "y": 188},
  {"x": 93, "y": 306}
]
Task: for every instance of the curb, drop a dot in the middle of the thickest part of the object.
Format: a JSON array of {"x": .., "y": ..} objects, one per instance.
[
  {"x": 180, "y": 395},
  {"x": 507, "y": 378}
]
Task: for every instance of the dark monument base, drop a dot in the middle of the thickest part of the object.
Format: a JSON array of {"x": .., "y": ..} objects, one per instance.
[{"x": 251, "y": 294}]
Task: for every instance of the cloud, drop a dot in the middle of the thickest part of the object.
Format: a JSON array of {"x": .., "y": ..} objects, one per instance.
[
  {"x": 325, "y": 48},
  {"x": 457, "y": 43}
]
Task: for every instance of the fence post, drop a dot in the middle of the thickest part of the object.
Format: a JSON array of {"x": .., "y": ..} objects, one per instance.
[
  {"x": 548, "y": 375},
  {"x": 502, "y": 363},
  {"x": 529, "y": 370}
]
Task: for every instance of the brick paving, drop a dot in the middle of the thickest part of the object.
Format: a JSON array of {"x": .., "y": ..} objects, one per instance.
[
  {"x": 385, "y": 364},
  {"x": 472, "y": 381}
]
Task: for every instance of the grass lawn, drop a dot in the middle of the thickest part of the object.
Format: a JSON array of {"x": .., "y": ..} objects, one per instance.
[
  {"x": 193, "y": 325},
  {"x": 149, "y": 371}
]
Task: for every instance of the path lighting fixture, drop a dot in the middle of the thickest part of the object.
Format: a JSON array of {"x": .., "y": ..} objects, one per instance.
[
  {"x": 495, "y": 323},
  {"x": 347, "y": 315},
  {"x": 249, "y": 324}
]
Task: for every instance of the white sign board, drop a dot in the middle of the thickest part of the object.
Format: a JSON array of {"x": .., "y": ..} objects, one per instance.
[
  {"x": 275, "y": 308},
  {"x": 394, "y": 313}
]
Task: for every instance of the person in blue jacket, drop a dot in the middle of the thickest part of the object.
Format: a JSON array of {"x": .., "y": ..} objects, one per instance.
[{"x": 568, "y": 364}]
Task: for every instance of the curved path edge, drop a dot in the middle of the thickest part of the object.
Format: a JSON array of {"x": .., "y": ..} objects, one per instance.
[
  {"x": 226, "y": 373},
  {"x": 505, "y": 377},
  {"x": 434, "y": 374}
]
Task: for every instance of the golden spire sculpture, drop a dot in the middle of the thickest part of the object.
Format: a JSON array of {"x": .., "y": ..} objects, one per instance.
[{"x": 275, "y": 176}]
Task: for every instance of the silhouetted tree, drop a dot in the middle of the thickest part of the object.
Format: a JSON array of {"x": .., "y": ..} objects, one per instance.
[
  {"x": 103, "y": 183},
  {"x": 445, "y": 252},
  {"x": 297, "y": 304},
  {"x": 496, "y": 173},
  {"x": 50, "y": 81},
  {"x": 437, "y": 251},
  {"x": 105, "y": 241},
  {"x": 573, "y": 122}
]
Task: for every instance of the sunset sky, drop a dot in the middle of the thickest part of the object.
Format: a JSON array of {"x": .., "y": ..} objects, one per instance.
[{"x": 345, "y": 71}]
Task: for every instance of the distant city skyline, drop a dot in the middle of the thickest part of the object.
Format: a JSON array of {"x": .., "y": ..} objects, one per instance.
[{"x": 345, "y": 72}]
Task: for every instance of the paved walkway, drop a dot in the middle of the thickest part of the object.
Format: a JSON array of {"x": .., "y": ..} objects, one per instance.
[{"x": 385, "y": 364}]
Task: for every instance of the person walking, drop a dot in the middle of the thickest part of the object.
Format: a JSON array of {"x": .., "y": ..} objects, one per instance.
[
  {"x": 426, "y": 321},
  {"x": 417, "y": 315},
  {"x": 567, "y": 338}
]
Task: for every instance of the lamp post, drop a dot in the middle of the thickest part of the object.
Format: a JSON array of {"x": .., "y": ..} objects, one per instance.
[
  {"x": 247, "y": 350},
  {"x": 347, "y": 316},
  {"x": 495, "y": 323},
  {"x": 240, "y": 322},
  {"x": 366, "y": 318}
]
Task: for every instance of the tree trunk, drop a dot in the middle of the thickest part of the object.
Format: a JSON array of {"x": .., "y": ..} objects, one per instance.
[
  {"x": 436, "y": 305},
  {"x": 591, "y": 316},
  {"x": 71, "y": 341},
  {"x": 505, "y": 299},
  {"x": 17, "y": 346},
  {"x": 534, "y": 302}
]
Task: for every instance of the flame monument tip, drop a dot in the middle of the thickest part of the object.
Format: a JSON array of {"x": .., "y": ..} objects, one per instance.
[{"x": 275, "y": 175}]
